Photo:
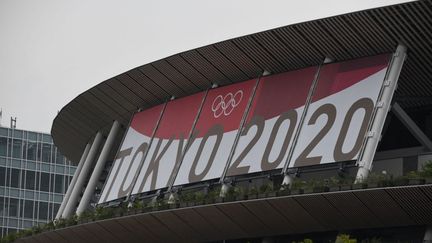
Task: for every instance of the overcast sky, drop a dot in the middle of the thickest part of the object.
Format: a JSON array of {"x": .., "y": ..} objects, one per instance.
[{"x": 53, "y": 50}]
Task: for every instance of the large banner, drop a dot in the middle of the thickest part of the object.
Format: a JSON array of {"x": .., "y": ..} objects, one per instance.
[
  {"x": 131, "y": 153},
  {"x": 341, "y": 108},
  {"x": 215, "y": 133},
  {"x": 198, "y": 142},
  {"x": 169, "y": 144},
  {"x": 272, "y": 122}
]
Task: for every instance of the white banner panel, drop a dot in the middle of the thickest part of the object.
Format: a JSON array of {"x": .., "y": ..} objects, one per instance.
[
  {"x": 335, "y": 124},
  {"x": 137, "y": 139},
  {"x": 169, "y": 143},
  {"x": 272, "y": 121},
  {"x": 341, "y": 108},
  {"x": 216, "y": 130}
]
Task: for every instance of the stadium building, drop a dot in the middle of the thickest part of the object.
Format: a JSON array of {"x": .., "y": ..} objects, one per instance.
[{"x": 311, "y": 130}]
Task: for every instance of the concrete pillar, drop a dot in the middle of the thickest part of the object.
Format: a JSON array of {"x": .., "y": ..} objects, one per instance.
[
  {"x": 100, "y": 165},
  {"x": 76, "y": 191},
  {"x": 73, "y": 182}
]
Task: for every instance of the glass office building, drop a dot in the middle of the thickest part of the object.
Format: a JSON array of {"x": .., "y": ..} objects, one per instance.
[{"x": 34, "y": 177}]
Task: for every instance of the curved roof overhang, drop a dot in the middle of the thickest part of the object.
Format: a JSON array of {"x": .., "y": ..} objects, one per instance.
[
  {"x": 342, "y": 37},
  {"x": 289, "y": 215}
]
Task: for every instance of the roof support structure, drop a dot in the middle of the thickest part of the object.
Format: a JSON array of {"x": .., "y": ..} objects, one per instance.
[
  {"x": 382, "y": 107},
  {"x": 412, "y": 126},
  {"x": 70, "y": 206},
  {"x": 97, "y": 171},
  {"x": 73, "y": 182}
]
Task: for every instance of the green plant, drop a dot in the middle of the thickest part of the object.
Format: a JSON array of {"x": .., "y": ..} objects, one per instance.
[
  {"x": 304, "y": 241},
  {"x": 48, "y": 226},
  {"x": 297, "y": 184},
  {"x": 253, "y": 190},
  {"x": 212, "y": 194},
  {"x": 413, "y": 175},
  {"x": 266, "y": 188},
  {"x": 344, "y": 238},
  {"x": 60, "y": 223},
  {"x": 373, "y": 240},
  {"x": 199, "y": 196},
  {"x": 138, "y": 205},
  {"x": 426, "y": 170},
  {"x": 101, "y": 213},
  {"x": 187, "y": 196},
  {"x": 231, "y": 193}
]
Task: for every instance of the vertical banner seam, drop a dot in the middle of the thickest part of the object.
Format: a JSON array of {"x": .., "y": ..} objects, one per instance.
[{"x": 241, "y": 126}]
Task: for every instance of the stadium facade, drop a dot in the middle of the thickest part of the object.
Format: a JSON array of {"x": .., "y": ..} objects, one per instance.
[
  {"x": 34, "y": 177},
  {"x": 314, "y": 101}
]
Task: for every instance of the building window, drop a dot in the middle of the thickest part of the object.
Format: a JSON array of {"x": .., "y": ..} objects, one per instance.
[
  {"x": 2, "y": 176},
  {"x": 46, "y": 152},
  {"x": 3, "y": 146},
  {"x": 2, "y": 206},
  {"x": 30, "y": 180},
  {"x": 28, "y": 209},
  {"x": 43, "y": 210},
  {"x": 16, "y": 148},
  {"x": 45, "y": 182},
  {"x": 31, "y": 150},
  {"x": 58, "y": 184},
  {"x": 13, "y": 207},
  {"x": 15, "y": 178}
]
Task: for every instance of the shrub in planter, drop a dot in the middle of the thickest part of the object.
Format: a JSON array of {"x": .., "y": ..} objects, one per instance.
[
  {"x": 240, "y": 193},
  {"x": 284, "y": 190},
  {"x": 266, "y": 189},
  {"x": 47, "y": 227},
  {"x": 212, "y": 195},
  {"x": 186, "y": 198},
  {"x": 252, "y": 192},
  {"x": 60, "y": 223},
  {"x": 426, "y": 170},
  {"x": 231, "y": 194},
  {"x": 102, "y": 213},
  {"x": 199, "y": 198},
  {"x": 401, "y": 181},
  {"x": 86, "y": 216},
  {"x": 319, "y": 186},
  {"x": 298, "y": 186},
  {"x": 9, "y": 238},
  {"x": 343, "y": 238},
  {"x": 415, "y": 178}
]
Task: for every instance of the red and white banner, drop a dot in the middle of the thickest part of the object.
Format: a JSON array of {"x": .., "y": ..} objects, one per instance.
[
  {"x": 215, "y": 133},
  {"x": 333, "y": 130},
  {"x": 130, "y": 155},
  {"x": 341, "y": 108},
  {"x": 169, "y": 143},
  {"x": 272, "y": 121}
]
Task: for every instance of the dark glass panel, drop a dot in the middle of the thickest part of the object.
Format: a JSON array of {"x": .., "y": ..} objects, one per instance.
[
  {"x": 44, "y": 182},
  {"x": 30, "y": 180}
]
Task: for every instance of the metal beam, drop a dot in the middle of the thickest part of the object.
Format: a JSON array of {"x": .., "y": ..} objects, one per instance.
[{"x": 412, "y": 126}]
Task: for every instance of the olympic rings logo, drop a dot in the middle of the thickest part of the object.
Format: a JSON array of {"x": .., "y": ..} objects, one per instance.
[{"x": 226, "y": 104}]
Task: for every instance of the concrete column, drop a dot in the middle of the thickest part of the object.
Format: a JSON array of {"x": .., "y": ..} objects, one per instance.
[
  {"x": 100, "y": 165},
  {"x": 76, "y": 191},
  {"x": 73, "y": 182}
]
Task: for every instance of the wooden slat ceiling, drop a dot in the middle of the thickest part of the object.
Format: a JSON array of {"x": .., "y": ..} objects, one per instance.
[
  {"x": 342, "y": 37},
  {"x": 297, "y": 214}
]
